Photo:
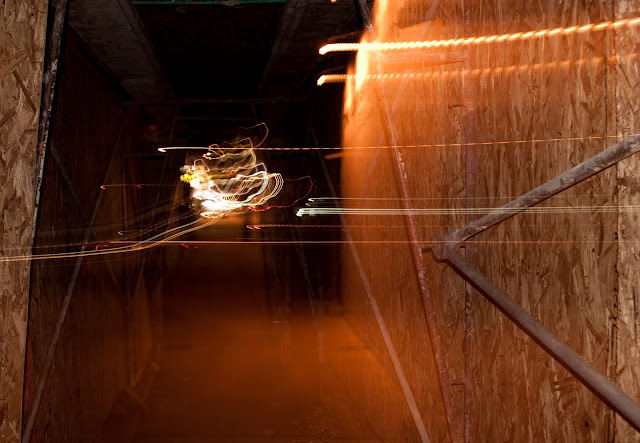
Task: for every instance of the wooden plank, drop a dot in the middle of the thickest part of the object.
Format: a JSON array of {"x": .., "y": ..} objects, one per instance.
[
  {"x": 561, "y": 265},
  {"x": 22, "y": 31},
  {"x": 558, "y": 266},
  {"x": 625, "y": 327}
]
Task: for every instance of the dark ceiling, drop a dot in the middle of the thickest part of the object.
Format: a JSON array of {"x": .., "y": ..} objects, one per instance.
[
  {"x": 212, "y": 51},
  {"x": 216, "y": 67}
]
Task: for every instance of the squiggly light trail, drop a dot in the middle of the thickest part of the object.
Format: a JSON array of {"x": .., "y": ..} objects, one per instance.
[
  {"x": 224, "y": 182},
  {"x": 387, "y": 242},
  {"x": 390, "y": 46}
]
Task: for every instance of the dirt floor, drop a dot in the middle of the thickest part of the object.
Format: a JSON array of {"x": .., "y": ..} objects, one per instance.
[{"x": 227, "y": 372}]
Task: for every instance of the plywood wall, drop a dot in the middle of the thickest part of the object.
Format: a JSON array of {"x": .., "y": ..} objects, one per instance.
[
  {"x": 540, "y": 106},
  {"x": 22, "y": 32},
  {"x": 625, "y": 331},
  {"x": 423, "y": 116},
  {"x": 99, "y": 355},
  {"x": 560, "y": 266}
]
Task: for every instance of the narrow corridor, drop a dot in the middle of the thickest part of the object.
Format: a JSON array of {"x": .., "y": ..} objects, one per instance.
[{"x": 227, "y": 372}]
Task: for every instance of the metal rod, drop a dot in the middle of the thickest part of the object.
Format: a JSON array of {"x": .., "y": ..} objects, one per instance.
[
  {"x": 422, "y": 279},
  {"x": 384, "y": 332},
  {"x": 218, "y": 101},
  {"x": 427, "y": 302},
  {"x": 584, "y": 170},
  {"x": 597, "y": 383},
  {"x": 417, "y": 257},
  {"x": 48, "y": 93}
]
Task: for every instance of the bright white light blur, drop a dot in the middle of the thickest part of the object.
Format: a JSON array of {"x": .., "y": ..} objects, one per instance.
[{"x": 227, "y": 181}]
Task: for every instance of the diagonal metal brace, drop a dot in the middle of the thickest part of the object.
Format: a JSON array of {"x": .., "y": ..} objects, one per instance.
[
  {"x": 447, "y": 248},
  {"x": 567, "y": 179},
  {"x": 588, "y": 375}
]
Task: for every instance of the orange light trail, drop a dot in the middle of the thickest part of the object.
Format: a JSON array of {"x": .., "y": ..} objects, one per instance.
[
  {"x": 133, "y": 246},
  {"x": 390, "y": 46},
  {"x": 434, "y": 75}
]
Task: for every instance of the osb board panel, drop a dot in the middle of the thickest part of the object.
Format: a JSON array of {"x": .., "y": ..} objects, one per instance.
[
  {"x": 627, "y": 316},
  {"x": 90, "y": 369},
  {"x": 560, "y": 265},
  {"x": 22, "y": 30},
  {"x": 422, "y": 115}
]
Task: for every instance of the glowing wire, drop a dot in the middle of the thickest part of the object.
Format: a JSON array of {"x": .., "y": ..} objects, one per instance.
[
  {"x": 455, "y": 211},
  {"x": 389, "y": 46},
  {"x": 137, "y": 246}
]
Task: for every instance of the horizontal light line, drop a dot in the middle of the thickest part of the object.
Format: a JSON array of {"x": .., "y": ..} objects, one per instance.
[
  {"x": 389, "y": 46},
  {"x": 249, "y": 242},
  {"x": 455, "y": 211},
  {"x": 436, "y": 75}
]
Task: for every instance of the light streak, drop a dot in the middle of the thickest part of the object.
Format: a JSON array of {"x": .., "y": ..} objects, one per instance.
[
  {"x": 223, "y": 181},
  {"x": 457, "y": 211},
  {"x": 461, "y": 199},
  {"x": 391, "y": 46},
  {"x": 249, "y": 242},
  {"x": 243, "y": 143},
  {"x": 445, "y": 74},
  {"x": 132, "y": 246},
  {"x": 306, "y": 177},
  {"x": 426, "y": 145}
]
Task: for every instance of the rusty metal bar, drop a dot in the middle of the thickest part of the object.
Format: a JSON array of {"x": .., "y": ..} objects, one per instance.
[
  {"x": 382, "y": 327},
  {"x": 418, "y": 260},
  {"x": 595, "y": 381},
  {"x": 584, "y": 170},
  {"x": 447, "y": 248},
  {"x": 427, "y": 301},
  {"x": 48, "y": 92}
]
